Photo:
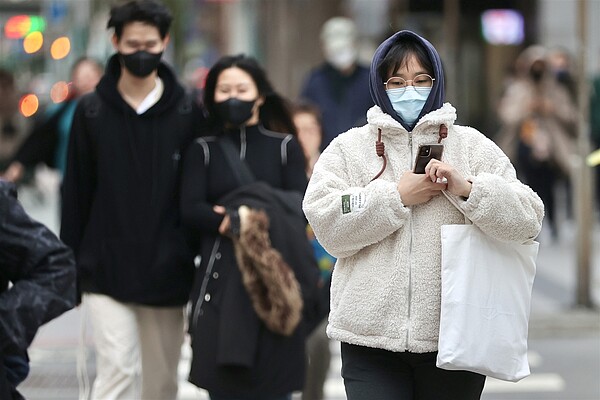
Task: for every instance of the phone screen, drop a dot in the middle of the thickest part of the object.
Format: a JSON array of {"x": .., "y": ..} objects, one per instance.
[{"x": 425, "y": 154}]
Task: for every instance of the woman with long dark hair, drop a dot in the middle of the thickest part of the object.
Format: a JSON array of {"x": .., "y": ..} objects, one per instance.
[{"x": 254, "y": 290}]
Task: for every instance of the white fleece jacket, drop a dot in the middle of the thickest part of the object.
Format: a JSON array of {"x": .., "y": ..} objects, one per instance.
[{"x": 386, "y": 283}]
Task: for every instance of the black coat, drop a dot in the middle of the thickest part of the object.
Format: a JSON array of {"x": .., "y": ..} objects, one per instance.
[
  {"x": 42, "y": 272},
  {"x": 120, "y": 209},
  {"x": 234, "y": 353}
]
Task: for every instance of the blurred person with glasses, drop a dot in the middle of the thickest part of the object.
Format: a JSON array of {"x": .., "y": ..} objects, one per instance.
[{"x": 382, "y": 222}]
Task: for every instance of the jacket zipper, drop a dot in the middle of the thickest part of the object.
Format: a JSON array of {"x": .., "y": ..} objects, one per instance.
[
  {"x": 209, "y": 267},
  {"x": 410, "y": 258}
]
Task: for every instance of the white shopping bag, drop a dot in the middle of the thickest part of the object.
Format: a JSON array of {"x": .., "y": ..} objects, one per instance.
[{"x": 486, "y": 300}]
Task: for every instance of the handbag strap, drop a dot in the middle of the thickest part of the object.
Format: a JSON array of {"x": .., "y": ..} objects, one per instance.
[
  {"x": 238, "y": 166},
  {"x": 453, "y": 201}
]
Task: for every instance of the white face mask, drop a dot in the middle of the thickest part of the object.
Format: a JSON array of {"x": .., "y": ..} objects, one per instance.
[
  {"x": 341, "y": 59},
  {"x": 408, "y": 102}
]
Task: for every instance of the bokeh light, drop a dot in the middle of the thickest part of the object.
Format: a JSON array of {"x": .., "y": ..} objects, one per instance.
[
  {"x": 59, "y": 91},
  {"x": 60, "y": 48},
  {"x": 33, "y": 42},
  {"x": 28, "y": 105},
  {"x": 18, "y": 26}
]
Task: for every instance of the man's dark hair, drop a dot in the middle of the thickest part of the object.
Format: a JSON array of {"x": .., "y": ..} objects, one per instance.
[{"x": 150, "y": 12}]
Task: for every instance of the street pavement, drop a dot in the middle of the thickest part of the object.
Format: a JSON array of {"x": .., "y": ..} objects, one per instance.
[{"x": 564, "y": 339}]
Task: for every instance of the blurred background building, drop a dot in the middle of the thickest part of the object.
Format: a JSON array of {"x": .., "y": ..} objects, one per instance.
[{"x": 479, "y": 41}]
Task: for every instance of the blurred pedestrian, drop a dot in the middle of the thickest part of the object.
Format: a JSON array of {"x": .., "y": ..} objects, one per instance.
[
  {"x": 340, "y": 86},
  {"x": 49, "y": 138},
  {"x": 255, "y": 289},
  {"x": 560, "y": 63},
  {"x": 13, "y": 125},
  {"x": 307, "y": 119},
  {"x": 120, "y": 212},
  {"x": 538, "y": 131},
  {"x": 37, "y": 284},
  {"x": 595, "y": 130},
  {"x": 382, "y": 221}
]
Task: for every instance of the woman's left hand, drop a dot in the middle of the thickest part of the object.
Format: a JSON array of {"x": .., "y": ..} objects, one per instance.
[
  {"x": 457, "y": 184},
  {"x": 225, "y": 224}
]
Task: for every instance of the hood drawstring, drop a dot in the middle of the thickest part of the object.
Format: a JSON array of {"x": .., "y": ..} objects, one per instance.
[
  {"x": 380, "y": 147},
  {"x": 443, "y": 133}
]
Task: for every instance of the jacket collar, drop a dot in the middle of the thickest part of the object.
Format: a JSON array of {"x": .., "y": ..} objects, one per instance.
[{"x": 390, "y": 127}]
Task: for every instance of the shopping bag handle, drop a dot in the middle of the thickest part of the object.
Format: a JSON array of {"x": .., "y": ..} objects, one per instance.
[{"x": 453, "y": 201}]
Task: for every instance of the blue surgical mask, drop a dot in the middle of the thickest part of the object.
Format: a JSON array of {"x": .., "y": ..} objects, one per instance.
[{"x": 408, "y": 102}]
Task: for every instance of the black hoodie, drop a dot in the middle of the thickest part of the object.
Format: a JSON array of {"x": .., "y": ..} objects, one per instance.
[{"x": 120, "y": 211}]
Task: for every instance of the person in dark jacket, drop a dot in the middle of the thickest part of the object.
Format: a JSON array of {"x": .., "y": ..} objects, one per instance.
[
  {"x": 243, "y": 346},
  {"x": 120, "y": 211},
  {"x": 49, "y": 138},
  {"x": 41, "y": 270},
  {"x": 340, "y": 86}
]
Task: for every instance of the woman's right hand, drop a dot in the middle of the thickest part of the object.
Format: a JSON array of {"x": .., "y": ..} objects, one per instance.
[{"x": 418, "y": 188}]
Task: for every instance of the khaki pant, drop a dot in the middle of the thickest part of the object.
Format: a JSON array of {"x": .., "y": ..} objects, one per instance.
[{"x": 137, "y": 349}]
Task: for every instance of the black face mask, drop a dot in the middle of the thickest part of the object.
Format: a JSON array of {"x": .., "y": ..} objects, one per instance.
[
  {"x": 235, "y": 111},
  {"x": 141, "y": 63}
]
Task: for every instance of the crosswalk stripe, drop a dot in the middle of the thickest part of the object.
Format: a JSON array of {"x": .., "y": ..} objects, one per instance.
[{"x": 533, "y": 383}]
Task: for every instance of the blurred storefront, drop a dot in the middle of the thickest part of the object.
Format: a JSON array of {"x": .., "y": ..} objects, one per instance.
[
  {"x": 40, "y": 40},
  {"x": 479, "y": 41},
  {"x": 478, "y": 46}
]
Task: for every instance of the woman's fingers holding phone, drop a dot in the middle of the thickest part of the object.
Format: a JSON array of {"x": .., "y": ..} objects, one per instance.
[
  {"x": 417, "y": 188},
  {"x": 439, "y": 171}
]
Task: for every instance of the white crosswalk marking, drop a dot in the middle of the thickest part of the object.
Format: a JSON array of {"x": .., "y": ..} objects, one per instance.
[{"x": 533, "y": 383}]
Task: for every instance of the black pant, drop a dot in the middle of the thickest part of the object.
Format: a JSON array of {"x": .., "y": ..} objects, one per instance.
[{"x": 375, "y": 374}]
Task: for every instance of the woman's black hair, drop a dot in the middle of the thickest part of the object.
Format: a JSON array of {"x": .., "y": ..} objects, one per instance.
[
  {"x": 399, "y": 54},
  {"x": 151, "y": 12},
  {"x": 274, "y": 114}
]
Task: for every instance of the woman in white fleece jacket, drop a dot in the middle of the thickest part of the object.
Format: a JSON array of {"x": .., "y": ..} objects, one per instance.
[{"x": 385, "y": 296}]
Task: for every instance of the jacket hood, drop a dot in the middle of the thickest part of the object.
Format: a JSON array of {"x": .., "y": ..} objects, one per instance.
[
  {"x": 107, "y": 88},
  {"x": 527, "y": 57},
  {"x": 437, "y": 95}
]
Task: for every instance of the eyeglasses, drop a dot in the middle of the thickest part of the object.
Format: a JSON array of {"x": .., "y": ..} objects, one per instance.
[{"x": 419, "y": 81}]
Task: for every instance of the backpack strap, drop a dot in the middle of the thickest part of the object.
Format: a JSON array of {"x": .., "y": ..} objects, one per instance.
[{"x": 239, "y": 168}]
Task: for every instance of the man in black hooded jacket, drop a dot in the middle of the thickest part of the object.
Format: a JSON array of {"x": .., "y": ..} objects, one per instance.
[
  {"x": 41, "y": 273},
  {"x": 120, "y": 210}
]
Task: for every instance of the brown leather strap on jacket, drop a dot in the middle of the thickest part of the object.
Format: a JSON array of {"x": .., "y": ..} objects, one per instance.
[
  {"x": 443, "y": 133},
  {"x": 380, "y": 149}
]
